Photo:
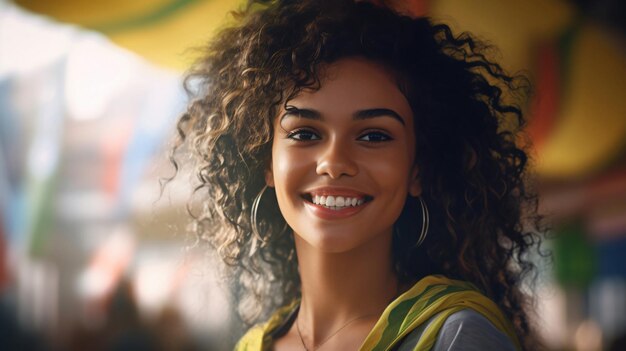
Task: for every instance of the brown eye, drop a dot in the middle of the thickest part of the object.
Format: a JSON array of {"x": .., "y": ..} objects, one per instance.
[
  {"x": 303, "y": 135},
  {"x": 375, "y": 137}
]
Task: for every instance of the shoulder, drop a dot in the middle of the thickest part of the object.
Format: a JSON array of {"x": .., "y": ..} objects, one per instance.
[
  {"x": 439, "y": 313},
  {"x": 462, "y": 330},
  {"x": 470, "y": 330},
  {"x": 257, "y": 337},
  {"x": 252, "y": 340}
]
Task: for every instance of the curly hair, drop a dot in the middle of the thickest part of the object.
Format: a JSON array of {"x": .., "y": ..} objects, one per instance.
[{"x": 474, "y": 168}]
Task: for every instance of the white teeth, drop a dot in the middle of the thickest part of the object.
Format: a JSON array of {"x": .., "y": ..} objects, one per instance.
[
  {"x": 340, "y": 201},
  {"x": 330, "y": 201},
  {"x": 336, "y": 201}
]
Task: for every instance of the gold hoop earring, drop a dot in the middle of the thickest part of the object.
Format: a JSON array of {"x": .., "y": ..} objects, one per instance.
[
  {"x": 253, "y": 214},
  {"x": 425, "y": 222},
  {"x": 257, "y": 237}
]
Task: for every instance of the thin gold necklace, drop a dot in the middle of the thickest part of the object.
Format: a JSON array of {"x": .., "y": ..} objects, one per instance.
[{"x": 315, "y": 347}]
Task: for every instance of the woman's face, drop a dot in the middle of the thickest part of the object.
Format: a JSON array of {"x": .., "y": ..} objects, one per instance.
[{"x": 343, "y": 157}]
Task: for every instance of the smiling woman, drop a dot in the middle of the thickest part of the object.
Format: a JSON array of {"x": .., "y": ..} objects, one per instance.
[{"x": 361, "y": 177}]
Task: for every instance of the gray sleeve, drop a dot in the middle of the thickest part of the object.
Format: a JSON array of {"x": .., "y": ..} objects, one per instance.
[{"x": 468, "y": 330}]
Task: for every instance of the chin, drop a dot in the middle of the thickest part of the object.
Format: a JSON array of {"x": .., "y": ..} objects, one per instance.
[{"x": 331, "y": 242}]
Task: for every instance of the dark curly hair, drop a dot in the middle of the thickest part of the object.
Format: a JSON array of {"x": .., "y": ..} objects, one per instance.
[{"x": 468, "y": 122}]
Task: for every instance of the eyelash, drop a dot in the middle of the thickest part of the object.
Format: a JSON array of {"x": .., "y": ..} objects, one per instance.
[
  {"x": 385, "y": 136},
  {"x": 292, "y": 135}
]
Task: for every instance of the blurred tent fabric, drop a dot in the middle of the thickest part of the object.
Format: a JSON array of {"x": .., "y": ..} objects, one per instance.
[
  {"x": 578, "y": 118},
  {"x": 161, "y": 30}
]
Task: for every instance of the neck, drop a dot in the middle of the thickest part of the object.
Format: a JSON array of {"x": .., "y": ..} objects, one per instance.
[{"x": 339, "y": 287}]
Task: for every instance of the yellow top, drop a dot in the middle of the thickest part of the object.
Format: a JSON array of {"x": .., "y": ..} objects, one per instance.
[{"x": 433, "y": 296}]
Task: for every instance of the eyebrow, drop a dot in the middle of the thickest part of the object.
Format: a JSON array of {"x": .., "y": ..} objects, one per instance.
[{"x": 359, "y": 115}]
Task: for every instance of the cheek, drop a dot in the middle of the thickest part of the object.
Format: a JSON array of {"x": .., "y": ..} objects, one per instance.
[
  {"x": 289, "y": 169},
  {"x": 392, "y": 169},
  {"x": 392, "y": 176}
]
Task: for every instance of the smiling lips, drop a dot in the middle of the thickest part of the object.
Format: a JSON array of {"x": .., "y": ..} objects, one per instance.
[{"x": 334, "y": 203}]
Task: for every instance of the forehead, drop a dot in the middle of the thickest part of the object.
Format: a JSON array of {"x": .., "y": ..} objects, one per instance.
[{"x": 353, "y": 84}]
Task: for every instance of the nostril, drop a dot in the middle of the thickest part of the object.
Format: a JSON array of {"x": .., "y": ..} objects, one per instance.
[{"x": 336, "y": 169}]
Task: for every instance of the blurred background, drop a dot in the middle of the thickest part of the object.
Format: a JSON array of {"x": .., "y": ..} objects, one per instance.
[{"x": 93, "y": 258}]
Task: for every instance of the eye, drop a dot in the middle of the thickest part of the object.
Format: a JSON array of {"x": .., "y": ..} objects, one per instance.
[
  {"x": 375, "y": 137},
  {"x": 303, "y": 135}
]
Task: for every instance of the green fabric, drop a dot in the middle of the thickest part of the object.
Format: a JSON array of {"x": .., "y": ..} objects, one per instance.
[{"x": 433, "y": 295}]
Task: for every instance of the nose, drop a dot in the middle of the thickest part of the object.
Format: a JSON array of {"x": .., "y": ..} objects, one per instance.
[{"x": 336, "y": 160}]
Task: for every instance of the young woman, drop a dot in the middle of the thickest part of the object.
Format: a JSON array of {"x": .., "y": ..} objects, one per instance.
[{"x": 360, "y": 174}]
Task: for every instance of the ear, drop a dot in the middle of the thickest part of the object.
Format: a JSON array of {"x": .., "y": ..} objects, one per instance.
[
  {"x": 415, "y": 185},
  {"x": 269, "y": 175}
]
